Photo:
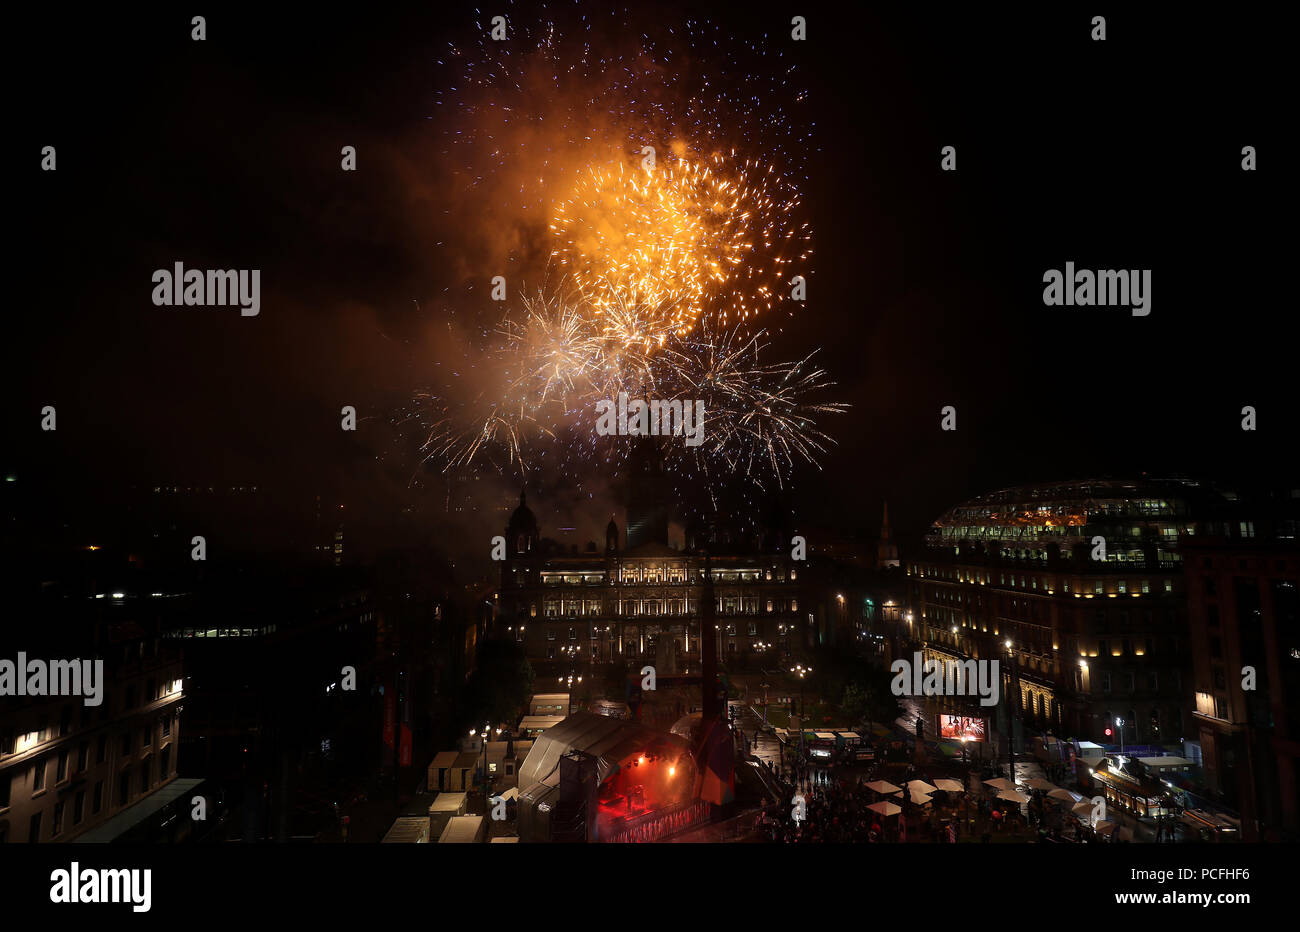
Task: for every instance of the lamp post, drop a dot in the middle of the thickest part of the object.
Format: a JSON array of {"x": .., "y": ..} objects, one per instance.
[
  {"x": 1011, "y": 711},
  {"x": 1119, "y": 723},
  {"x": 801, "y": 671},
  {"x": 487, "y": 733}
]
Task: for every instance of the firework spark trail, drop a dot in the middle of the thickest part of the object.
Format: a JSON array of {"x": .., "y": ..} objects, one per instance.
[
  {"x": 559, "y": 360},
  {"x": 758, "y": 412}
]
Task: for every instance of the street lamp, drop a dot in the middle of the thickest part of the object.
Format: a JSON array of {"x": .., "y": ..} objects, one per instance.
[
  {"x": 1012, "y": 711},
  {"x": 487, "y": 733},
  {"x": 801, "y": 671},
  {"x": 1119, "y": 723}
]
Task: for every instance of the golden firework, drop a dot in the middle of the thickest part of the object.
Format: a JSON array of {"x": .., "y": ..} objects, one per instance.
[{"x": 684, "y": 240}]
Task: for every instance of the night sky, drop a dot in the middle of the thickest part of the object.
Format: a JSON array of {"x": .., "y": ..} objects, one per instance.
[{"x": 925, "y": 288}]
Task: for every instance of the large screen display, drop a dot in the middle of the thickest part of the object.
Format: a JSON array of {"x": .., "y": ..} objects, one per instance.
[{"x": 959, "y": 726}]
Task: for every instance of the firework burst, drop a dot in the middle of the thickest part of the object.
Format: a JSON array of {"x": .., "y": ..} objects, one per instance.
[
  {"x": 667, "y": 274},
  {"x": 689, "y": 238}
]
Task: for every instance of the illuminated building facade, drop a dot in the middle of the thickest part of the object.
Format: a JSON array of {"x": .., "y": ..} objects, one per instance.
[
  {"x": 1084, "y": 580},
  {"x": 643, "y": 603}
]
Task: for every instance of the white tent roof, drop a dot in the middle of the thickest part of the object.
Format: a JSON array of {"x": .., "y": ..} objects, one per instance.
[
  {"x": 461, "y": 830},
  {"x": 410, "y": 830},
  {"x": 1165, "y": 763},
  {"x": 449, "y": 802},
  {"x": 531, "y": 722},
  {"x": 445, "y": 759}
]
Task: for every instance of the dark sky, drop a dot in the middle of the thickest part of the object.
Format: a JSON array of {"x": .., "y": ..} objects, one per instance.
[{"x": 926, "y": 288}]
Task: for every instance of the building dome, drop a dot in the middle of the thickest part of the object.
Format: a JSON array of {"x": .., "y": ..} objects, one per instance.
[
  {"x": 1133, "y": 514},
  {"x": 522, "y": 532},
  {"x": 523, "y": 515}
]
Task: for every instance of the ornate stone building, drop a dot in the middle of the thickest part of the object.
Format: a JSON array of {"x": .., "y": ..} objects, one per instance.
[{"x": 641, "y": 603}]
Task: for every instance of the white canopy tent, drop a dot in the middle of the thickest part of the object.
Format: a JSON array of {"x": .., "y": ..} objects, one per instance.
[
  {"x": 885, "y": 808},
  {"x": 1083, "y": 809}
]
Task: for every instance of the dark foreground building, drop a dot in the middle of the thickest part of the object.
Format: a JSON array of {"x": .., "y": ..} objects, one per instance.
[
  {"x": 1243, "y": 582},
  {"x": 70, "y": 770}
]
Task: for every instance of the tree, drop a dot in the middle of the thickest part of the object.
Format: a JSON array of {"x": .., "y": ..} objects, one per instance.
[
  {"x": 616, "y": 681},
  {"x": 868, "y": 696},
  {"x": 502, "y": 682}
]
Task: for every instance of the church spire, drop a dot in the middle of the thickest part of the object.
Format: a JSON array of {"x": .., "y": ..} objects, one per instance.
[{"x": 886, "y": 549}]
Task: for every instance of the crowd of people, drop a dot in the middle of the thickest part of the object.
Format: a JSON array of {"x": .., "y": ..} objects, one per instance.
[
  {"x": 821, "y": 804},
  {"x": 825, "y": 807}
]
